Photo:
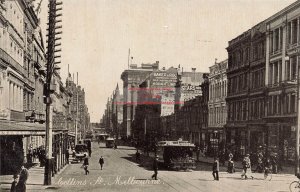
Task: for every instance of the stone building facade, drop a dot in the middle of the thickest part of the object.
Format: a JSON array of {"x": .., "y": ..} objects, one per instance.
[{"x": 217, "y": 109}]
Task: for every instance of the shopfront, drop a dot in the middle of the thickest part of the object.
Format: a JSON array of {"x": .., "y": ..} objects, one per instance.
[
  {"x": 13, "y": 145},
  {"x": 282, "y": 141}
]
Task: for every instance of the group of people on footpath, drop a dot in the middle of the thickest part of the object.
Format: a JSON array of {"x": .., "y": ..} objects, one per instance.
[{"x": 264, "y": 164}]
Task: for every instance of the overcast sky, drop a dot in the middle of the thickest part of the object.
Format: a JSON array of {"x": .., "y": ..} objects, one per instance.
[{"x": 98, "y": 33}]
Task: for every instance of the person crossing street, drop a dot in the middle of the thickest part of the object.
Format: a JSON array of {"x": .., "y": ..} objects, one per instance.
[
  {"x": 86, "y": 165},
  {"x": 101, "y": 162}
]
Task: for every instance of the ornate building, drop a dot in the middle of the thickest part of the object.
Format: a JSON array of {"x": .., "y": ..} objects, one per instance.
[
  {"x": 282, "y": 69},
  {"x": 217, "y": 110},
  {"x": 132, "y": 78}
]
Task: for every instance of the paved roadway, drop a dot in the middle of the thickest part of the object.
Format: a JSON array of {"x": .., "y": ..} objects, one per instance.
[{"x": 121, "y": 173}]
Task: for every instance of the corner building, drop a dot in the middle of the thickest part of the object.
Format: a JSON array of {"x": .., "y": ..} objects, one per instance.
[{"x": 282, "y": 64}]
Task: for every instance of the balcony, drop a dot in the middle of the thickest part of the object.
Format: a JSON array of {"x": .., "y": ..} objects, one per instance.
[
  {"x": 13, "y": 63},
  {"x": 33, "y": 116}
]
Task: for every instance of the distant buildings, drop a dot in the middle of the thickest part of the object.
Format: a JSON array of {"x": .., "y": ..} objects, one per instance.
[{"x": 131, "y": 79}]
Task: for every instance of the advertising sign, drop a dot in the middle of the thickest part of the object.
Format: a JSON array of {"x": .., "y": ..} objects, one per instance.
[{"x": 163, "y": 79}]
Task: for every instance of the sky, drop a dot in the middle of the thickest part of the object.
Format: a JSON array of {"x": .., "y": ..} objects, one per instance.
[{"x": 97, "y": 35}]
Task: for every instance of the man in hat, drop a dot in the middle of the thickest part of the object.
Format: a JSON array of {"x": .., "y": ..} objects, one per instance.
[
  {"x": 13, "y": 187},
  {"x": 215, "y": 171},
  {"x": 21, "y": 186},
  {"x": 155, "y": 167},
  {"x": 101, "y": 162}
]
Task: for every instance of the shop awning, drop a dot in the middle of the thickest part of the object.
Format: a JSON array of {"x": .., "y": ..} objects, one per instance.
[
  {"x": 71, "y": 134},
  {"x": 24, "y": 128}
]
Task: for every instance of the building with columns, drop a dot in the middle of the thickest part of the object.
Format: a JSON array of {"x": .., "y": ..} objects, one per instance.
[
  {"x": 132, "y": 78},
  {"x": 217, "y": 110},
  {"x": 22, "y": 58}
]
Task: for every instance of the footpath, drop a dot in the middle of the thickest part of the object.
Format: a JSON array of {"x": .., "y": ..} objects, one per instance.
[
  {"x": 35, "y": 180},
  {"x": 238, "y": 165}
]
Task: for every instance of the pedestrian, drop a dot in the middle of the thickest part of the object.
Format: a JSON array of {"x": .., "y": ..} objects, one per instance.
[
  {"x": 267, "y": 167},
  {"x": 101, "y": 162},
  {"x": 13, "y": 187},
  {"x": 222, "y": 158},
  {"x": 274, "y": 163},
  {"x": 86, "y": 164},
  {"x": 230, "y": 168},
  {"x": 230, "y": 155},
  {"x": 259, "y": 167},
  {"x": 137, "y": 156},
  {"x": 155, "y": 167},
  {"x": 21, "y": 186},
  {"x": 215, "y": 170},
  {"x": 67, "y": 156},
  {"x": 246, "y": 167},
  {"x": 197, "y": 152}
]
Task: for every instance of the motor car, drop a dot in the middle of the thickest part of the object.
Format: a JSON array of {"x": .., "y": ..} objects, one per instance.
[{"x": 80, "y": 152}]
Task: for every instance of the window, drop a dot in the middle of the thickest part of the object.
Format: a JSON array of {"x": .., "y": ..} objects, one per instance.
[
  {"x": 294, "y": 31},
  {"x": 247, "y": 53},
  {"x": 293, "y": 103},
  {"x": 270, "y": 105},
  {"x": 275, "y": 72},
  {"x": 293, "y": 67}
]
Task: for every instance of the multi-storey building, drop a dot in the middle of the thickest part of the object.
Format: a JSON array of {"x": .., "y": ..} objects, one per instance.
[
  {"x": 238, "y": 86},
  {"x": 21, "y": 60},
  {"x": 156, "y": 97},
  {"x": 188, "y": 120},
  {"x": 256, "y": 93},
  {"x": 282, "y": 63},
  {"x": 132, "y": 78},
  {"x": 217, "y": 110},
  {"x": 187, "y": 86}
]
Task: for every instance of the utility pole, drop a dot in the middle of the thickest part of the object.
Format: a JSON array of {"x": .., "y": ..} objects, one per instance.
[
  {"x": 48, "y": 88},
  {"x": 76, "y": 119}
]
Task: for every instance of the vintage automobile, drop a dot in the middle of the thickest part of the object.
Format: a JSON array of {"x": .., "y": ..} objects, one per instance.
[
  {"x": 176, "y": 155},
  {"x": 80, "y": 152},
  {"x": 110, "y": 142},
  {"x": 88, "y": 143}
]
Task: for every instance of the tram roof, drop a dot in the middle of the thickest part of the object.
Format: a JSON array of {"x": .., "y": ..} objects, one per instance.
[{"x": 176, "y": 143}]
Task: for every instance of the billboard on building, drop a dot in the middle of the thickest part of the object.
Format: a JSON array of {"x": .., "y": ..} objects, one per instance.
[
  {"x": 166, "y": 79},
  {"x": 189, "y": 91}
]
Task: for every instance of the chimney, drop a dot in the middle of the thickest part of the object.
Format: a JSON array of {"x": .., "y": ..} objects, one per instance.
[
  {"x": 155, "y": 65},
  {"x": 194, "y": 69}
]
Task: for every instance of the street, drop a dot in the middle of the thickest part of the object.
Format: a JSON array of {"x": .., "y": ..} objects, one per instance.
[{"x": 121, "y": 173}]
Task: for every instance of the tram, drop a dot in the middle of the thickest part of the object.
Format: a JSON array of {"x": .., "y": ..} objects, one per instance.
[
  {"x": 109, "y": 142},
  {"x": 176, "y": 155}
]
